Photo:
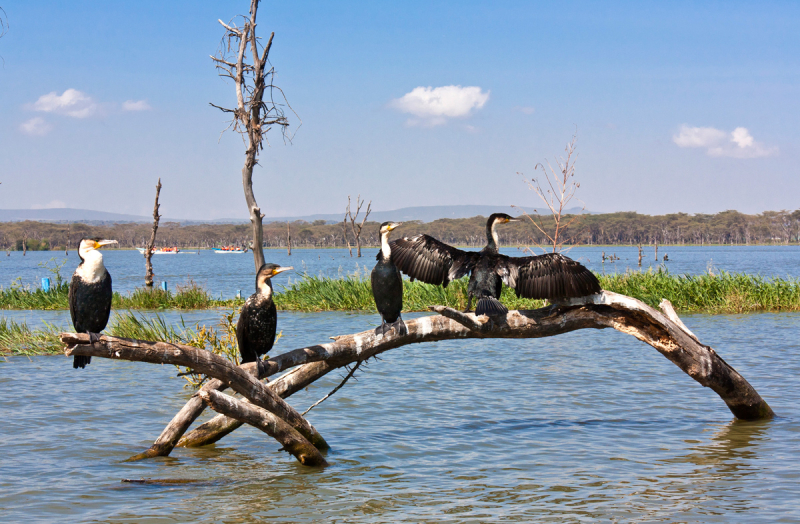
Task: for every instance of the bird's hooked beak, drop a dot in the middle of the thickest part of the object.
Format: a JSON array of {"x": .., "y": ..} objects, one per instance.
[
  {"x": 281, "y": 269},
  {"x": 512, "y": 220},
  {"x": 100, "y": 243},
  {"x": 394, "y": 225}
]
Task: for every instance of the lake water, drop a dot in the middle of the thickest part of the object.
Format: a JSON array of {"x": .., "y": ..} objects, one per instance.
[
  {"x": 224, "y": 275},
  {"x": 585, "y": 427}
]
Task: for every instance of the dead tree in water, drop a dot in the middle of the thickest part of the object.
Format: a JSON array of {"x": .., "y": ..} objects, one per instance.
[
  {"x": 661, "y": 329},
  {"x": 148, "y": 250},
  {"x": 244, "y": 59},
  {"x": 288, "y": 240},
  {"x": 344, "y": 227},
  {"x": 353, "y": 225}
]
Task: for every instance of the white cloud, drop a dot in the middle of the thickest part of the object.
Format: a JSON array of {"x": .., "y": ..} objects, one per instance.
[
  {"x": 527, "y": 110},
  {"x": 36, "y": 126},
  {"x": 433, "y": 106},
  {"x": 53, "y": 204},
  {"x": 71, "y": 103},
  {"x": 135, "y": 105},
  {"x": 737, "y": 144}
]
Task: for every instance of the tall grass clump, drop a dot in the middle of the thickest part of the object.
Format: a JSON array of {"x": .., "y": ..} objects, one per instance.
[
  {"x": 220, "y": 341},
  {"x": 708, "y": 293},
  {"x": 20, "y": 339}
]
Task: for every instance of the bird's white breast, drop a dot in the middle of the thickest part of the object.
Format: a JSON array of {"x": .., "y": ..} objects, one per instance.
[{"x": 91, "y": 269}]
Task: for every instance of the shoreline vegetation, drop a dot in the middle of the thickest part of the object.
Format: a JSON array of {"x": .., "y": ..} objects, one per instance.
[
  {"x": 603, "y": 229},
  {"x": 706, "y": 293}
]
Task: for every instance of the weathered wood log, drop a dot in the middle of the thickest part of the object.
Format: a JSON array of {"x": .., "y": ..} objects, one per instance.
[
  {"x": 290, "y": 438},
  {"x": 201, "y": 361},
  {"x": 664, "y": 331}
]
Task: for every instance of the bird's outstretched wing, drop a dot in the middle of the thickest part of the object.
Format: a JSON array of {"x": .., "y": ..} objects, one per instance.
[
  {"x": 424, "y": 258},
  {"x": 548, "y": 276}
]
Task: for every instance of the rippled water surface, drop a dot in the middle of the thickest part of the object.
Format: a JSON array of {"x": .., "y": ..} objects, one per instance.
[
  {"x": 224, "y": 275},
  {"x": 588, "y": 426}
]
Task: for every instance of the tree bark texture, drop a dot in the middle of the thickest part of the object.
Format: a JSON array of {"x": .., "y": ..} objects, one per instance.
[
  {"x": 661, "y": 329},
  {"x": 292, "y": 441},
  {"x": 148, "y": 251},
  {"x": 201, "y": 361}
]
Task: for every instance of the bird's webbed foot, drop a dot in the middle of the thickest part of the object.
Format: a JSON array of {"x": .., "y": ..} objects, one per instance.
[{"x": 93, "y": 337}]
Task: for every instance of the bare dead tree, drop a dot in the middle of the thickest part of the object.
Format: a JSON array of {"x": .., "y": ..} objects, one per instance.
[
  {"x": 244, "y": 59},
  {"x": 559, "y": 189},
  {"x": 356, "y": 228},
  {"x": 344, "y": 226},
  {"x": 148, "y": 250},
  {"x": 660, "y": 328},
  {"x": 24, "y": 243},
  {"x": 66, "y": 244},
  {"x": 288, "y": 240}
]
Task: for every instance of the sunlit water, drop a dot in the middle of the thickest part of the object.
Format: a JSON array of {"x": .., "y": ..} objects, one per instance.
[
  {"x": 225, "y": 275},
  {"x": 583, "y": 427}
]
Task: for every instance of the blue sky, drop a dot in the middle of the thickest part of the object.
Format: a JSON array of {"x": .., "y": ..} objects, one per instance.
[{"x": 678, "y": 106}]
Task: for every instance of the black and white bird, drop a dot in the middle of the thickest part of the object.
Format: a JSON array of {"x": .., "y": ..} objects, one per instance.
[
  {"x": 258, "y": 320},
  {"x": 387, "y": 286},
  {"x": 90, "y": 293},
  {"x": 551, "y": 276}
]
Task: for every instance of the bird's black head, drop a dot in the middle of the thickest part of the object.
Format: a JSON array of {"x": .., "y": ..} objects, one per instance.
[
  {"x": 500, "y": 218},
  {"x": 388, "y": 226},
  {"x": 266, "y": 272}
]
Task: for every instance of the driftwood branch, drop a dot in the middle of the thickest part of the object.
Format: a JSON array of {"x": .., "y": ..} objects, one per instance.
[
  {"x": 148, "y": 251},
  {"x": 292, "y": 441},
  {"x": 663, "y": 331},
  {"x": 201, "y": 361}
]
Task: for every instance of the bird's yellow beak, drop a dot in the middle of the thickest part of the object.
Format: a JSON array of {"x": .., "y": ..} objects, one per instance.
[
  {"x": 394, "y": 225},
  {"x": 101, "y": 243},
  {"x": 281, "y": 270}
]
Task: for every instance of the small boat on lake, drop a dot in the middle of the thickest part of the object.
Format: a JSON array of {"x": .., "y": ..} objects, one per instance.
[
  {"x": 161, "y": 250},
  {"x": 233, "y": 250}
]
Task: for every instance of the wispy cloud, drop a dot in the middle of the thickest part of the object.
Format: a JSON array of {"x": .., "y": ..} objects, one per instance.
[
  {"x": 71, "y": 102},
  {"x": 53, "y": 204},
  {"x": 136, "y": 105},
  {"x": 36, "y": 126},
  {"x": 432, "y": 106},
  {"x": 526, "y": 110},
  {"x": 737, "y": 144}
]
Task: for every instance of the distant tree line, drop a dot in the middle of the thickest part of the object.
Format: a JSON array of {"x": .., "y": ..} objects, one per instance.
[{"x": 727, "y": 227}]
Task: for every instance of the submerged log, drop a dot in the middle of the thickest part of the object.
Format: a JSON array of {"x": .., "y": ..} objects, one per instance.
[
  {"x": 201, "y": 361},
  {"x": 663, "y": 330},
  {"x": 292, "y": 441}
]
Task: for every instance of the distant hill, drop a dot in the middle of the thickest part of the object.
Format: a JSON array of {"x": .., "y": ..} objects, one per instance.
[{"x": 421, "y": 213}]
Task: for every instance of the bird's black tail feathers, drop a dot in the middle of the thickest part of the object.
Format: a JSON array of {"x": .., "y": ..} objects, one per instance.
[
  {"x": 490, "y": 306},
  {"x": 80, "y": 361}
]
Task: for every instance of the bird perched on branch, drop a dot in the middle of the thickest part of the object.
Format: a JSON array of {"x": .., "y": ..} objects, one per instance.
[
  {"x": 387, "y": 286},
  {"x": 258, "y": 320},
  {"x": 552, "y": 276},
  {"x": 90, "y": 293}
]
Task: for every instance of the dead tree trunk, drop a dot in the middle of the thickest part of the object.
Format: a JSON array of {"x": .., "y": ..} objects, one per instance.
[
  {"x": 344, "y": 226},
  {"x": 148, "y": 250},
  {"x": 66, "y": 244},
  {"x": 663, "y": 330},
  {"x": 292, "y": 441},
  {"x": 24, "y": 243},
  {"x": 356, "y": 229},
  {"x": 640, "y": 255},
  {"x": 288, "y": 240},
  {"x": 252, "y": 116}
]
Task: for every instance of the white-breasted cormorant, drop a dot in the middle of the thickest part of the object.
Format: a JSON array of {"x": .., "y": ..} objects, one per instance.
[
  {"x": 387, "y": 286},
  {"x": 552, "y": 276},
  {"x": 258, "y": 320},
  {"x": 90, "y": 293}
]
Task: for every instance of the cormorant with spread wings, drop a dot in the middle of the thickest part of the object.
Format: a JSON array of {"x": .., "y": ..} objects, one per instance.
[{"x": 552, "y": 276}]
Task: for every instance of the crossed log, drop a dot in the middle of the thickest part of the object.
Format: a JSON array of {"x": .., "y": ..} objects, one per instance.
[{"x": 265, "y": 408}]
